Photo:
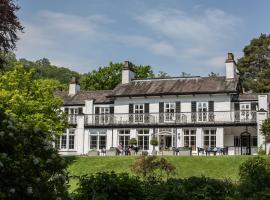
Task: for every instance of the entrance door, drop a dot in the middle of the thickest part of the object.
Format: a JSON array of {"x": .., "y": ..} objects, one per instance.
[
  {"x": 245, "y": 144},
  {"x": 168, "y": 141}
]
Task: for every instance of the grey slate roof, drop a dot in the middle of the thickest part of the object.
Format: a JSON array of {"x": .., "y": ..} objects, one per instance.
[
  {"x": 196, "y": 85},
  {"x": 99, "y": 96}
]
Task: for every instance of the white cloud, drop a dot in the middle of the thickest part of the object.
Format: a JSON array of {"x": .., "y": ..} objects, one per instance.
[
  {"x": 55, "y": 35},
  {"x": 143, "y": 42},
  {"x": 204, "y": 35}
]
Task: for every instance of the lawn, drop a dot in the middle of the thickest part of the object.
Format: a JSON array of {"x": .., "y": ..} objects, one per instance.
[{"x": 214, "y": 166}]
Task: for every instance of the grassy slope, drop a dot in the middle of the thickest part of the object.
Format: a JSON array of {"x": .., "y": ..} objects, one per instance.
[{"x": 217, "y": 167}]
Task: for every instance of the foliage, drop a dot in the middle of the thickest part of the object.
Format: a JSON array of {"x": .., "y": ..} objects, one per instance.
[
  {"x": 162, "y": 74},
  {"x": 261, "y": 151},
  {"x": 9, "y": 25},
  {"x": 265, "y": 129},
  {"x": 132, "y": 141},
  {"x": 121, "y": 186},
  {"x": 195, "y": 188},
  {"x": 32, "y": 102},
  {"x": 108, "y": 77},
  {"x": 154, "y": 141},
  {"x": 151, "y": 168},
  {"x": 112, "y": 186},
  {"x": 212, "y": 74},
  {"x": 30, "y": 168},
  {"x": 255, "y": 179},
  {"x": 254, "y": 66}
]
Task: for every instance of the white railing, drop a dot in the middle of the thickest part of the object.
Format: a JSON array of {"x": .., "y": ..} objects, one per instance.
[{"x": 172, "y": 118}]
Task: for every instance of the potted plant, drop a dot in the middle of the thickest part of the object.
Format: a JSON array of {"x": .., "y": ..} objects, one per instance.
[
  {"x": 132, "y": 141},
  {"x": 154, "y": 142}
]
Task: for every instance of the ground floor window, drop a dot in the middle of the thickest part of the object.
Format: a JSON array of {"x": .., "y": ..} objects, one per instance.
[
  {"x": 124, "y": 137},
  {"x": 66, "y": 141},
  {"x": 210, "y": 138},
  {"x": 143, "y": 139},
  {"x": 190, "y": 138},
  {"x": 98, "y": 140}
]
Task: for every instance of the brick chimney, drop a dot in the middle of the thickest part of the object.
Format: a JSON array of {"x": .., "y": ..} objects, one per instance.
[
  {"x": 230, "y": 67},
  {"x": 127, "y": 72},
  {"x": 74, "y": 86}
]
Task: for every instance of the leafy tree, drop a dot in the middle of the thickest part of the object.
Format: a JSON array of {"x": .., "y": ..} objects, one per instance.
[
  {"x": 108, "y": 77},
  {"x": 266, "y": 131},
  {"x": 9, "y": 25},
  {"x": 213, "y": 74},
  {"x": 30, "y": 101},
  {"x": 184, "y": 74},
  {"x": 30, "y": 168},
  {"x": 254, "y": 66},
  {"x": 162, "y": 74}
]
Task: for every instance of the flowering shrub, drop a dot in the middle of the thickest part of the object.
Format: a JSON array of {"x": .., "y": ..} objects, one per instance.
[{"x": 30, "y": 168}]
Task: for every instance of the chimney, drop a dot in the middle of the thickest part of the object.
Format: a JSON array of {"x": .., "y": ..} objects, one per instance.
[
  {"x": 74, "y": 86},
  {"x": 127, "y": 72},
  {"x": 231, "y": 70}
]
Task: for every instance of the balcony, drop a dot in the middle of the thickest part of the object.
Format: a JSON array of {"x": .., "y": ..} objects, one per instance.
[{"x": 183, "y": 118}]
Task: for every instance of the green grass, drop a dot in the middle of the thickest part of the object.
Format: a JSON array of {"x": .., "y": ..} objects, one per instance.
[{"x": 219, "y": 167}]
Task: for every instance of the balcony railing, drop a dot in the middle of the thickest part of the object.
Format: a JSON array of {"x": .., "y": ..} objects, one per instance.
[{"x": 172, "y": 118}]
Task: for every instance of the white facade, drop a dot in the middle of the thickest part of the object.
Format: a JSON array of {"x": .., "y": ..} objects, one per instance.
[{"x": 223, "y": 120}]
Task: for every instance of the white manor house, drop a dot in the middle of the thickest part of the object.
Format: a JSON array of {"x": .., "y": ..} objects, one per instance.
[{"x": 196, "y": 112}]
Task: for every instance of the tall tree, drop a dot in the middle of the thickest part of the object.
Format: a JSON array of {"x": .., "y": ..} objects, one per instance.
[
  {"x": 9, "y": 25},
  {"x": 31, "y": 101},
  {"x": 106, "y": 78},
  {"x": 254, "y": 66}
]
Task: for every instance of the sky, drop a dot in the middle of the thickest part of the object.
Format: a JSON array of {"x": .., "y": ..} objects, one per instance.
[{"x": 175, "y": 36}]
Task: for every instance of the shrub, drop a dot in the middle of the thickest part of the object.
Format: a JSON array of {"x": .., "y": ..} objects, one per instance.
[
  {"x": 194, "y": 188},
  {"x": 255, "y": 179},
  {"x": 261, "y": 151},
  {"x": 132, "y": 141},
  {"x": 154, "y": 141},
  {"x": 111, "y": 186},
  {"x": 151, "y": 168},
  {"x": 30, "y": 168}
]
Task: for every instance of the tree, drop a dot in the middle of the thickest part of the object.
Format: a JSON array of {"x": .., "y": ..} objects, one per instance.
[
  {"x": 9, "y": 25},
  {"x": 30, "y": 168},
  {"x": 108, "y": 77},
  {"x": 213, "y": 74},
  {"x": 30, "y": 101},
  {"x": 266, "y": 131},
  {"x": 254, "y": 66},
  {"x": 162, "y": 74}
]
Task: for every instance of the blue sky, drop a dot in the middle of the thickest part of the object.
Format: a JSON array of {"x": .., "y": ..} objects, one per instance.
[{"x": 174, "y": 36}]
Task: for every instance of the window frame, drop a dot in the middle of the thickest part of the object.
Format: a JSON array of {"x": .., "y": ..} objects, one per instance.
[
  {"x": 169, "y": 112},
  {"x": 211, "y": 138},
  {"x": 145, "y": 136},
  {"x": 191, "y": 135}
]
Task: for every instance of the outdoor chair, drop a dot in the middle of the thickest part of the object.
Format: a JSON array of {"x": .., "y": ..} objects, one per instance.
[{"x": 200, "y": 150}]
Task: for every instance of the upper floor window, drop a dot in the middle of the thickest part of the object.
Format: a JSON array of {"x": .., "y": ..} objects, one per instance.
[
  {"x": 169, "y": 110},
  {"x": 202, "y": 110},
  {"x": 138, "y": 110},
  {"x": 245, "y": 111},
  {"x": 104, "y": 114}
]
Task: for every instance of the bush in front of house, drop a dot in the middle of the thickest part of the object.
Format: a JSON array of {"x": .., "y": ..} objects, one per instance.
[
  {"x": 255, "y": 179},
  {"x": 30, "y": 168},
  {"x": 109, "y": 185},
  {"x": 193, "y": 188}
]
